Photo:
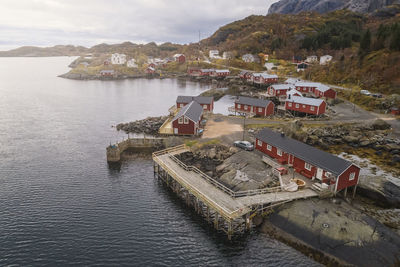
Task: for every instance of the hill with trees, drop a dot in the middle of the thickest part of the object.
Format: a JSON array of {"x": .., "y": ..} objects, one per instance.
[{"x": 365, "y": 48}]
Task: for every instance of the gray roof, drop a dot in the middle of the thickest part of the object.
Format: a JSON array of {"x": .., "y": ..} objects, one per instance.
[
  {"x": 309, "y": 154},
  {"x": 306, "y": 100},
  {"x": 107, "y": 71},
  {"x": 256, "y": 102},
  {"x": 193, "y": 111},
  {"x": 199, "y": 99},
  {"x": 284, "y": 86}
]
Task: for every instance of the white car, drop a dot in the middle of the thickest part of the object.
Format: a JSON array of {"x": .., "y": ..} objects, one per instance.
[
  {"x": 244, "y": 145},
  {"x": 365, "y": 92}
]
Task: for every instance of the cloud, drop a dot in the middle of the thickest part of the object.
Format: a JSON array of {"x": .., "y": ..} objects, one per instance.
[{"x": 88, "y": 22}]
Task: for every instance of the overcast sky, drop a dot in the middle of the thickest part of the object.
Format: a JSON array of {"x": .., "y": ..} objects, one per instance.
[{"x": 90, "y": 22}]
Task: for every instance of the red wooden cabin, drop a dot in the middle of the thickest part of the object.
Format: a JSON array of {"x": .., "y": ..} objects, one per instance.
[
  {"x": 187, "y": 121},
  {"x": 207, "y": 102},
  {"x": 305, "y": 105},
  {"x": 310, "y": 162},
  {"x": 256, "y": 106}
]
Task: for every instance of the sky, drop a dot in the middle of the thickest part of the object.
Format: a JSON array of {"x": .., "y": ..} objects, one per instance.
[{"x": 90, "y": 22}]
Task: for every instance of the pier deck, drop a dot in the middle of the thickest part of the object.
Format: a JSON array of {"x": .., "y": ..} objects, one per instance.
[{"x": 215, "y": 195}]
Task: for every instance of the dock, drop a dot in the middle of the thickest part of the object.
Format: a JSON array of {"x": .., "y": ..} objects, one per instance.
[
  {"x": 114, "y": 151},
  {"x": 229, "y": 211}
]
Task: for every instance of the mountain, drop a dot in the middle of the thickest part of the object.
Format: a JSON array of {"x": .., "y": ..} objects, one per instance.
[
  {"x": 33, "y": 51},
  {"x": 151, "y": 49},
  {"x": 324, "y": 6}
]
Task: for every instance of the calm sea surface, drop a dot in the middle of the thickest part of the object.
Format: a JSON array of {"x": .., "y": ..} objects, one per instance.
[{"x": 59, "y": 202}]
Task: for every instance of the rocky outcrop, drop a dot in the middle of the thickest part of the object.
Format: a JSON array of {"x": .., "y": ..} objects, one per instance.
[
  {"x": 150, "y": 125},
  {"x": 337, "y": 229},
  {"x": 384, "y": 192},
  {"x": 324, "y": 6}
]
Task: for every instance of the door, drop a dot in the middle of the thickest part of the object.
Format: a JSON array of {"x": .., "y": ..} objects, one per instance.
[
  {"x": 319, "y": 173},
  {"x": 175, "y": 130}
]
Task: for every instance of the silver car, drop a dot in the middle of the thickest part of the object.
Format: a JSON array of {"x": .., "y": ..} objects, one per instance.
[{"x": 246, "y": 145}]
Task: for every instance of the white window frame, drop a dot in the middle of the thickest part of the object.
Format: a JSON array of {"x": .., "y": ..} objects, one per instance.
[
  {"x": 204, "y": 106},
  {"x": 307, "y": 166},
  {"x": 304, "y": 106},
  {"x": 239, "y": 106},
  {"x": 259, "y": 109},
  {"x": 279, "y": 152},
  {"x": 245, "y": 106},
  {"x": 259, "y": 142},
  {"x": 297, "y": 106},
  {"x": 180, "y": 120},
  {"x": 312, "y": 108},
  {"x": 186, "y": 120},
  {"x": 289, "y": 104},
  {"x": 269, "y": 147},
  {"x": 352, "y": 176}
]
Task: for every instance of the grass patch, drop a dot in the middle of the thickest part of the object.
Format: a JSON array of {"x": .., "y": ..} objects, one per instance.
[{"x": 191, "y": 143}]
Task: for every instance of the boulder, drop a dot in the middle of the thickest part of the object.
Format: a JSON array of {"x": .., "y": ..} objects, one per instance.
[
  {"x": 380, "y": 125},
  {"x": 381, "y": 190}
]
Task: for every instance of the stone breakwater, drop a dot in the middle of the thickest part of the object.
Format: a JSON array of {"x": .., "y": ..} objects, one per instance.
[{"x": 150, "y": 125}]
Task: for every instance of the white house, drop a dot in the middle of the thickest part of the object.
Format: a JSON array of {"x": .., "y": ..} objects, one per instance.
[
  {"x": 227, "y": 55},
  {"x": 118, "y": 59},
  {"x": 269, "y": 66},
  {"x": 312, "y": 59},
  {"x": 250, "y": 58},
  {"x": 131, "y": 63},
  {"x": 325, "y": 59},
  {"x": 214, "y": 54}
]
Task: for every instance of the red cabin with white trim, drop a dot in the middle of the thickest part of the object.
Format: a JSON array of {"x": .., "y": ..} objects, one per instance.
[
  {"x": 337, "y": 173},
  {"x": 305, "y": 105},
  {"x": 260, "y": 107},
  {"x": 187, "y": 121},
  {"x": 207, "y": 102}
]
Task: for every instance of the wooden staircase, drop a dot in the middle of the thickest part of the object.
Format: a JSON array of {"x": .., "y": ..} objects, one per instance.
[{"x": 322, "y": 191}]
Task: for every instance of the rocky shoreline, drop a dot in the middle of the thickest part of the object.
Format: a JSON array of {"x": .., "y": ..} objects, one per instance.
[{"x": 150, "y": 126}]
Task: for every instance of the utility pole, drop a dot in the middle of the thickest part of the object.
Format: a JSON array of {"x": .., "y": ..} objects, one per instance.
[{"x": 244, "y": 125}]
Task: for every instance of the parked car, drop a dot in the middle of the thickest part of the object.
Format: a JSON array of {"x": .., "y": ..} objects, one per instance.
[
  {"x": 246, "y": 145},
  {"x": 365, "y": 92},
  {"x": 377, "y": 95}
]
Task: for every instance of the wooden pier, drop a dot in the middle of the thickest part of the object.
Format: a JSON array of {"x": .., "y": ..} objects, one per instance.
[{"x": 229, "y": 211}]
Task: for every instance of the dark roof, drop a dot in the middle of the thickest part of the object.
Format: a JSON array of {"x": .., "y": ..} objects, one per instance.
[
  {"x": 192, "y": 110},
  {"x": 256, "y": 102},
  {"x": 199, "y": 99},
  {"x": 305, "y": 152}
]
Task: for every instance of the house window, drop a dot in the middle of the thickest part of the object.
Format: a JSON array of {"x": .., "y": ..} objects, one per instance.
[
  {"x": 297, "y": 105},
  {"x": 245, "y": 106},
  {"x": 259, "y": 142},
  {"x": 259, "y": 109},
  {"x": 304, "y": 106},
  {"x": 279, "y": 152},
  {"x": 312, "y": 108},
  {"x": 238, "y": 105},
  {"x": 289, "y": 104},
  {"x": 186, "y": 120},
  {"x": 352, "y": 176},
  {"x": 204, "y": 106},
  {"x": 307, "y": 166},
  {"x": 180, "y": 120},
  {"x": 269, "y": 147}
]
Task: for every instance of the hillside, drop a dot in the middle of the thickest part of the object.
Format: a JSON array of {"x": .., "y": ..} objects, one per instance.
[
  {"x": 131, "y": 49},
  {"x": 374, "y": 65},
  {"x": 324, "y": 6},
  {"x": 33, "y": 51}
]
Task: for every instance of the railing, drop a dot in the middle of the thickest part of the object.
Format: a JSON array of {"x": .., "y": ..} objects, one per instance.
[
  {"x": 248, "y": 113},
  {"x": 222, "y": 187},
  {"x": 169, "y": 150}
]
